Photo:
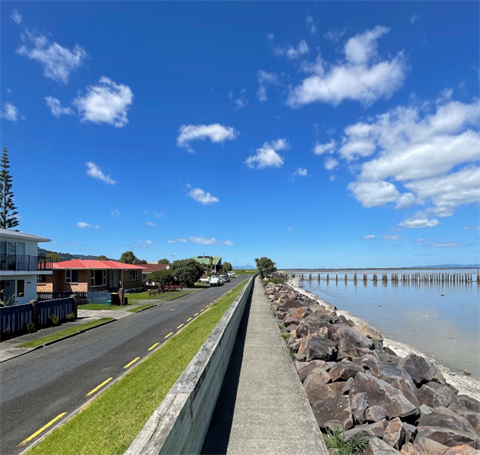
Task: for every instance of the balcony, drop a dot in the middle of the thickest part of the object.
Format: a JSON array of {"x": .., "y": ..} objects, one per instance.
[{"x": 24, "y": 263}]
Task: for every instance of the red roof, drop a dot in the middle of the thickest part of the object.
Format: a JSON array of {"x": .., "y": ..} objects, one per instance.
[
  {"x": 93, "y": 264},
  {"x": 149, "y": 268}
]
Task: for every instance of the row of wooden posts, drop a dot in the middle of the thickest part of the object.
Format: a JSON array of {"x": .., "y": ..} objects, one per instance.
[{"x": 402, "y": 277}]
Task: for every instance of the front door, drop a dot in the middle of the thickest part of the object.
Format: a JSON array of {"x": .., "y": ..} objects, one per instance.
[
  {"x": 113, "y": 279},
  {"x": 9, "y": 288}
]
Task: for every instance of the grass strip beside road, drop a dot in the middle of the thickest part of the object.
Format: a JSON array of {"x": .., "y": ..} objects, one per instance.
[
  {"x": 112, "y": 421},
  {"x": 63, "y": 333},
  {"x": 176, "y": 296},
  {"x": 100, "y": 306},
  {"x": 140, "y": 308}
]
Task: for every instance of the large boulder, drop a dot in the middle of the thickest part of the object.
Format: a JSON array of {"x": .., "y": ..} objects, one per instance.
[
  {"x": 333, "y": 413},
  {"x": 375, "y": 413},
  {"x": 472, "y": 417},
  {"x": 430, "y": 447},
  {"x": 464, "y": 401},
  {"x": 367, "y": 431},
  {"x": 285, "y": 305},
  {"x": 395, "y": 434},
  {"x": 293, "y": 344},
  {"x": 344, "y": 370},
  {"x": 411, "y": 449},
  {"x": 359, "y": 404},
  {"x": 305, "y": 368},
  {"x": 349, "y": 340},
  {"x": 461, "y": 450},
  {"x": 420, "y": 369},
  {"x": 369, "y": 332},
  {"x": 316, "y": 377},
  {"x": 380, "y": 393},
  {"x": 378, "y": 447},
  {"x": 447, "y": 436},
  {"x": 320, "y": 348},
  {"x": 429, "y": 396},
  {"x": 290, "y": 319},
  {"x": 444, "y": 417},
  {"x": 317, "y": 390},
  {"x": 341, "y": 387}
]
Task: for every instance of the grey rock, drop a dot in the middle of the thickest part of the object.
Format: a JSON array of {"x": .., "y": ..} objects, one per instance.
[
  {"x": 293, "y": 344},
  {"x": 315, "y": 378},
  {"x": 446, "y": 436},
  {"x": 430, "y": 447},
  {"x": 389, "y": 351},
  {"x": 429, "y": 396},
  {"x": 346, "y": 336},
  {"x": 410, "y": 431},
  {"x": 320, "y": 348},
  {"x": 461, "y": 450},
  {"x": 444, "y": 417},
  {"x": 305, "y": 368},
  {"x": 420, "y": 369},
  {"x": 370, "y": 332},
  {"x": 344, "y": 370},
  {"x": 467, "y": 402},
  {"x": 333, "y": 413},
  {"x": 378, "y": 447},
  {"x": 375, "y": 413},
  {"x": 300, "y": 357},
  {"x": 395, "y": 434},
  {"x": 367, "y": 431},
  {"x": 359, "y": 404},
  {"x": 317, "y": 390},
  {"x": 411, "y": 449}
]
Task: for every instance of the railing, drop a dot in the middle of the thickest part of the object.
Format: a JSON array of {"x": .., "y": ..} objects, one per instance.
[
  {"x": 22, "y": 262},
  {"x": 82, "y": 297}
]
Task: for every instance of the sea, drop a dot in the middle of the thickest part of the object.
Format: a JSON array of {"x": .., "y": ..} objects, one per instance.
[{"x": 441, "y": 320}]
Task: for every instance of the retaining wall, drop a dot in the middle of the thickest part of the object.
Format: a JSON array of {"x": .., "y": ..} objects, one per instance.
[{"x": 180, "y": 423}]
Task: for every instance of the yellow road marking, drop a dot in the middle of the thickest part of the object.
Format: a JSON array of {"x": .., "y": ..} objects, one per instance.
[
  {"x": 34, "y": 435},
  {"x": 172, "y": 309},
  {"x": 181, "y": 325},
  {"x": 189, "y": 319},
  {"x": 100, "y": 386},
  {"x": 151, "y": 347},
  {"x": 196, "y": 314},
  {"x": 131, "y": 363},
  {"x": 171, "y": 333}
]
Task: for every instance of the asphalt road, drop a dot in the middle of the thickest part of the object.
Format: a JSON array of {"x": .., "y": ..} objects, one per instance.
[{"x": 37, "y": 387}]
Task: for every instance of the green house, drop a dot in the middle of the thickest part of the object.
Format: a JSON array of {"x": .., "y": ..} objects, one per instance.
[{"x": 210, "y": 263}]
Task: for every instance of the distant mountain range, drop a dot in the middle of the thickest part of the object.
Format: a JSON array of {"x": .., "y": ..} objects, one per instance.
[
  {"x": 448, "y": 266},
  {"x": 66, "y": 256}
]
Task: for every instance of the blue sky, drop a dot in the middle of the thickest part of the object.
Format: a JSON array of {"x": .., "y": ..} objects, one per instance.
[{"x": 327, "y": 134}]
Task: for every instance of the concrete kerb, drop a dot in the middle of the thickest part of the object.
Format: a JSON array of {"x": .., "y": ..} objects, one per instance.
[
  {"x": 181, "y": 421},
  {"x": 112, "y": 383}
]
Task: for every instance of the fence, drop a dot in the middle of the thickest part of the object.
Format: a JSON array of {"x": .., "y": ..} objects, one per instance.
[
  {"x": 169, "y": 287},
  {"x": 82, "y": 297},
  {"x": 15, "y": 318},
  {"x": 58, "y": 307}
]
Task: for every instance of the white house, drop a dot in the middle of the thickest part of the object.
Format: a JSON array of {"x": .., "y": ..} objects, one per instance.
[{"x": 20, "y": 265}]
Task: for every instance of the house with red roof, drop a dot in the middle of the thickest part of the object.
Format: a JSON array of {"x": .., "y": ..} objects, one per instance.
[
  {"x": 149, "y": 268},
  {"x": 84, "y": 275}
]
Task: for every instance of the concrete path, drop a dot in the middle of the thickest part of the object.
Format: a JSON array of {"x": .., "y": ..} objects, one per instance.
[{"x": 271, "y": 413}]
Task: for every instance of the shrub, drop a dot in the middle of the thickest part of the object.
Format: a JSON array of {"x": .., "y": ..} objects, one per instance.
[
  {"x": 54, "y": 320},
  {"x": 71, "y": 317},
  {"x": 276, "y": 280},
  {"x": 354, "y": 446},
  {"x": 6, "y": 334},
  {"x": 30, "y": 327}
]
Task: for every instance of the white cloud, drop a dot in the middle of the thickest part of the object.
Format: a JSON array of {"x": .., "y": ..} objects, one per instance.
[
  {"x": 158, "y": 214},
  {"x": 419, "y": 221},
  {"x": 106, "y": 102},
  {"x": 56, "y": 108},
  {"x": 374, "y": 194},
  {"x": 10, "y": 112},
  {"x": 448, "y": 245},
  {"x": 115, "y": 213},
  {"x": 310, "y": 25},
  {"x": 368, "y": 237},
  {"x": 81, "y": 224},
  {"x": 267, "y": 155},
  {"x": 405, "y": 201},
  {"x": 97, "y": 226},
  {"x": 202, "y": 241},
  {"x": 392, "y": 237},
  {"x": 331, "y": 164},
  {"x": 329, "y": 147},
  {"x": 178, "y": 240},
  {"x": 472, "y": 227},
  {"x": 215, "y": 132},
  {"x": 413, "y": 19},
  {"x": 58, "y": 62},
  {"x": 264, "y": 80},
  {"x": 334, "y": 35},
  {"x": 362, "y": 76},
  {"x": 240, "y": 103},
  {"x": 301, "y": 172},
  {"x": 422, "y": 239},
  {"x": 301, "y": 49},
  {"x": 16, "y": 17},
  {"x": 95, "y": 172},
  {"x": 149, "y": 223},
  {"x": 147, "y": 244},
  {"x": 201, "y": 196}
]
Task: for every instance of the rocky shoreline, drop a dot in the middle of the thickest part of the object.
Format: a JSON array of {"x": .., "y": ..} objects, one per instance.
[{"x": 363, "y": 388}]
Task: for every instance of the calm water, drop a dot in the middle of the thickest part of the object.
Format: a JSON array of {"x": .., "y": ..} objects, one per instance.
[{"x": 446, "y": 327}]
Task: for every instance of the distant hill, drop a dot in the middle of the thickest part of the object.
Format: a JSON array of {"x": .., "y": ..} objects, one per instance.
[
  {"x": 448, "y": 266},
  {"x": 66, "y": 256}
]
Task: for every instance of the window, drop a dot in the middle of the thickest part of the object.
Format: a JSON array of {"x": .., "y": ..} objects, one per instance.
[
  {"x": 71, "y": 276},
  {"x": 98, "y": 277},
  {"x": 20, "y": 288},
  {"x": 133, "y": 275}
]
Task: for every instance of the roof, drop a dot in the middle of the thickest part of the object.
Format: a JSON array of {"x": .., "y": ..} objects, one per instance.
[
  {"x": 148, "y": 268},
  {"x": 15, "y": 234},
  {"x": 94, "y": 264},
  {"x": 206, "y": 260}
]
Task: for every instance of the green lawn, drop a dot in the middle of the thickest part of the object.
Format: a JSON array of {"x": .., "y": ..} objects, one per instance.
[
  {"x": 144, "y": 296},
  {"x": 201, "y": 285},
  {"x": 100, "y": 306},
  {"x": 246, "y": 271},
  {"x": 63, "y": 333},
  {"x": 139, "y": 308},
  {"x": 111, "y": 422},
  {"x": 177, "y": 295}
]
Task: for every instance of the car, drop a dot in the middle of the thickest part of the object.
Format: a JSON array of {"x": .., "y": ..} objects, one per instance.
[
  {"x": 214, "y": 281},
  {"x": 204, "y": 279},
  {"x": 226, "y": 278}
]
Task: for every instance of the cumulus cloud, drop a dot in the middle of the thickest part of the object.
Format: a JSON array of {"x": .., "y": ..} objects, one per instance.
[
  {"x": 419, "y": 221},
  {"x": 374, "y": 194},
  {"x": 81, "y": 224},
  {"x": 215, "y": 132},
  {"x": 362, "y": 76},
  {"x": 320, "y": 149},
  {"x": 201, "y": 196},
  {"x": 202, "y": 241},
  {"x": 58, "y": 62},
  {"x": 332, "y": 35},
  {"x": 106, "y": 102},
  {"x": 310, "y": 25},
  {"x": 16, "y": 17},
  {"x": 294, "y": 53},
  {"x": 331, "y": 164},
  {"x": 95, "y": 172},
  {"x": 56, "y": 108},
  {"x": 301, "y": 172},
  {"x": 396, "y": 238},
  {"x": 264, "y": 80},
  {"x": 10, "y": 112},
  {"x": 368, "y": 237},
  {"x": 267, "y": 155}
]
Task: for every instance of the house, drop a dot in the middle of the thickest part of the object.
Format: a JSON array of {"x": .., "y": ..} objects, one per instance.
[
  {"x": 20, "y": 265},
  {"x": 149, "y": 268},
  {"x": 83, "y": 275},
  {"x": 210, "y": 263}
]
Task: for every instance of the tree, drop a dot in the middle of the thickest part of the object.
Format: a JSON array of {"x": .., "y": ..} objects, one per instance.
[
  {"x": 187, "y": 271},
  {"x": 8, "y": 211},
  {"x": 102, "y": 258},
  {"x": 227, "y": 267},
  {"x": 128, "y": 257},
  {"x": 139, "y": 261},
  {"x": 51, "y": 256},
  {"x": 163, "y": 261},
  {"x": 162, "y": 277},
  {"x": 265, "y": 266}
]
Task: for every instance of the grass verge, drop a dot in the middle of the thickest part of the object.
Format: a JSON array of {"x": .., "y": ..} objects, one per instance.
[
  {"x": 99, "y": 306},
  {"x": 111, "y": 422},
  {"x": 177, "y": 295},
  {"x": 140, "y": 308},
  {"x": 245, "y": 271},
  {"x": 63, "y": 333},
  {"x": 144, "y": 295},
  {"x": 354, "y": 446}
]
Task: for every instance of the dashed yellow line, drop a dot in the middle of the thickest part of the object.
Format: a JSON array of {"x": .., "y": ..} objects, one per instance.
[
  {"x": 131, "y": 363},
  {"x": 196, "y": 314},
  {"x": 189, "y": 319},
  {"x": 151, "y": 347},
  {"x": 181, "y": 325},
  {"x": 98, "y": 387},
  {"x": 171, "y": 333},
  {"x": 34, "y": 435}
]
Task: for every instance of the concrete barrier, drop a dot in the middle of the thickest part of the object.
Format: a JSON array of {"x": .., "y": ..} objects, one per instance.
[{"x": 180, "y": 423}]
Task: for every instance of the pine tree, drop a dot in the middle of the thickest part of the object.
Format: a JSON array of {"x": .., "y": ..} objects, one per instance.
[{"x": 8, "y": 211}]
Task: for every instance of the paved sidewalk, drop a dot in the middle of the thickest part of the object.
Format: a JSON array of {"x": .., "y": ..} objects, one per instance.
[{"x": 271, "y": 413}]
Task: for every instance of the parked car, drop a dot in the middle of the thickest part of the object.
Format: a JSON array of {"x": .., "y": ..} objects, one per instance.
[
  {"x": 214, "y": 281},
  {"x": 232, "y": 275},
  {"x": 226, "y": 278},
  {"x": 204, "y": 279}
]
